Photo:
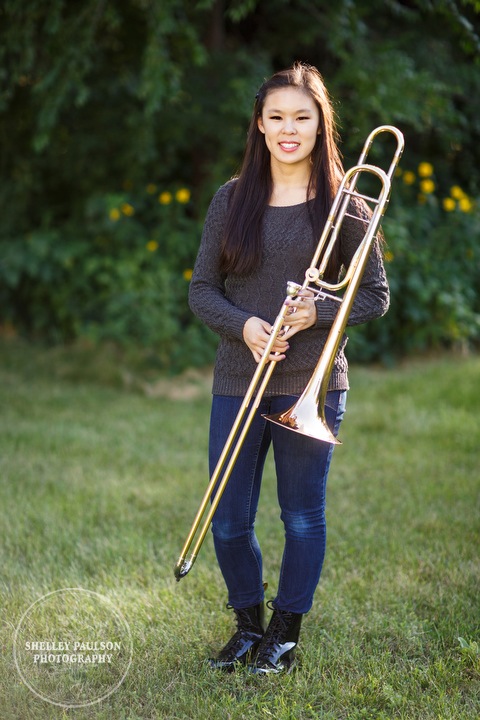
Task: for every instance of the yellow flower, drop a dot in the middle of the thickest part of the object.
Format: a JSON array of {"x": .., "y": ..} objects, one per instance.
[
  {"x": 128, "y": 209},
  {"x": 427, "y": 186},
  {"x": 457, "y": 192},
  {"x": 114, "y": 214},
  {"x": 421, "y": 199},
  {"x": 182, "y": 195},
  {"x": 187, "y": 274},
  {"x": 465, "y": 204},
  {"x": 408, "y": 177},
  {"x": 165, "y": 198},
  {"x": 388, "y": 256},
  {"x": 151, "y": 189},
  {"x": 425, "y": 169},
  {"x": 449, "y": 204},
  {"x": 152, "y": 245}
]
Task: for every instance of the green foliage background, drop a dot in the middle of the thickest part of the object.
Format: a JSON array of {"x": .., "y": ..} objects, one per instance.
[{"x": 118, "y": 121}]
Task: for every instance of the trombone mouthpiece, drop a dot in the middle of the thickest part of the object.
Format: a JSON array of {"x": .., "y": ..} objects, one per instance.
[{"x": 293, "y": 288}]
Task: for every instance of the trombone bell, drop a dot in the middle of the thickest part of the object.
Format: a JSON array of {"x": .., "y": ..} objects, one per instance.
[{"x": 307, "y": 418}]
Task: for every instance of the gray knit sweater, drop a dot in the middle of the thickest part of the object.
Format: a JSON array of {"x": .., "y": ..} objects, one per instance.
[{"x": 224, "y": 304}]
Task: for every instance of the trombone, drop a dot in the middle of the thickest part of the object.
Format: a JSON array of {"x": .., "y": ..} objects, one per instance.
[{"x": 307, "y": 415}]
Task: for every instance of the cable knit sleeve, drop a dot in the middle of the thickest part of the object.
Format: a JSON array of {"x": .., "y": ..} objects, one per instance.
[
  {"x": 373, "y": 296},
  {"x": 207, "y": 294}
]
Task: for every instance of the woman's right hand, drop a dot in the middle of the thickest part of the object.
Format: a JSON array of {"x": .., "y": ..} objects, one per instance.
[{"x": 256, "y": 333}]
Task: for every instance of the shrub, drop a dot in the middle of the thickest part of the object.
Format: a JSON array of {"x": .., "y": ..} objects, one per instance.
[
  {"x": 433, "y": 265},
  {"x": 122, "y": 276}
]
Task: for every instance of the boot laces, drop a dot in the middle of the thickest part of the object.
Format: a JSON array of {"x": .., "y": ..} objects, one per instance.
[
  {"x": 276, "y": 629},
  {"x": 244, "y": 620}
]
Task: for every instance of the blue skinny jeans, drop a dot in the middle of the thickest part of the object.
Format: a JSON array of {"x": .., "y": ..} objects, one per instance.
[{"x": 302, "y": 465}]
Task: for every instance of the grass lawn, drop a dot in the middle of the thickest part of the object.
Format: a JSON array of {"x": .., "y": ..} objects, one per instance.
[{"x": 99, "y": 486}]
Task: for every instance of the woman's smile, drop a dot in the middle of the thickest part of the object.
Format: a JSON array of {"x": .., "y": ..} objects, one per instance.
[{"x": 289, "y": 146}]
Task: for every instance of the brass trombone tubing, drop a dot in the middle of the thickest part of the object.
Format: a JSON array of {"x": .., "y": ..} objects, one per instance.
[
  {"x": 307, "y": 415},
  {"x": 340, "y": 204},
  {"x": 321, "y": 376}
]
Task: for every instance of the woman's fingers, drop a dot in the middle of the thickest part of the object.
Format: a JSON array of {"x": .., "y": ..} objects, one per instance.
[
  {"x": 301, "y": 313},
  {"x": 256, "y": 333}
]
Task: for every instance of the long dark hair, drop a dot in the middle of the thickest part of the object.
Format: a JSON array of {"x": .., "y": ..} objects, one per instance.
[{"x": 242, "y": 243}]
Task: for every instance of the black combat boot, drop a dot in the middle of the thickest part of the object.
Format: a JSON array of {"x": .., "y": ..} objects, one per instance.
[
  {"x": 276, "y": 651},
  {"x": 243, "y": 644}
]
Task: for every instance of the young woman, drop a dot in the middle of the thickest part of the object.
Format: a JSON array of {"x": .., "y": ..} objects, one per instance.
[{"x": 261, "y": 231}]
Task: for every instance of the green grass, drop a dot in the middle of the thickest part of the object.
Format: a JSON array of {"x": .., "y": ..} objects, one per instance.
[{"x": 99, "y": 486}]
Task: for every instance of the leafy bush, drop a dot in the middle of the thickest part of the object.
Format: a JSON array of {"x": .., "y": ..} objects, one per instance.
[
  {"x": 433, "y": 265},
  {"x": 122, "y": 276}
]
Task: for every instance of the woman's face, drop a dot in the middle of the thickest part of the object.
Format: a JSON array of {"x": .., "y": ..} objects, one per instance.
[{"x": 290, "y": 121}]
